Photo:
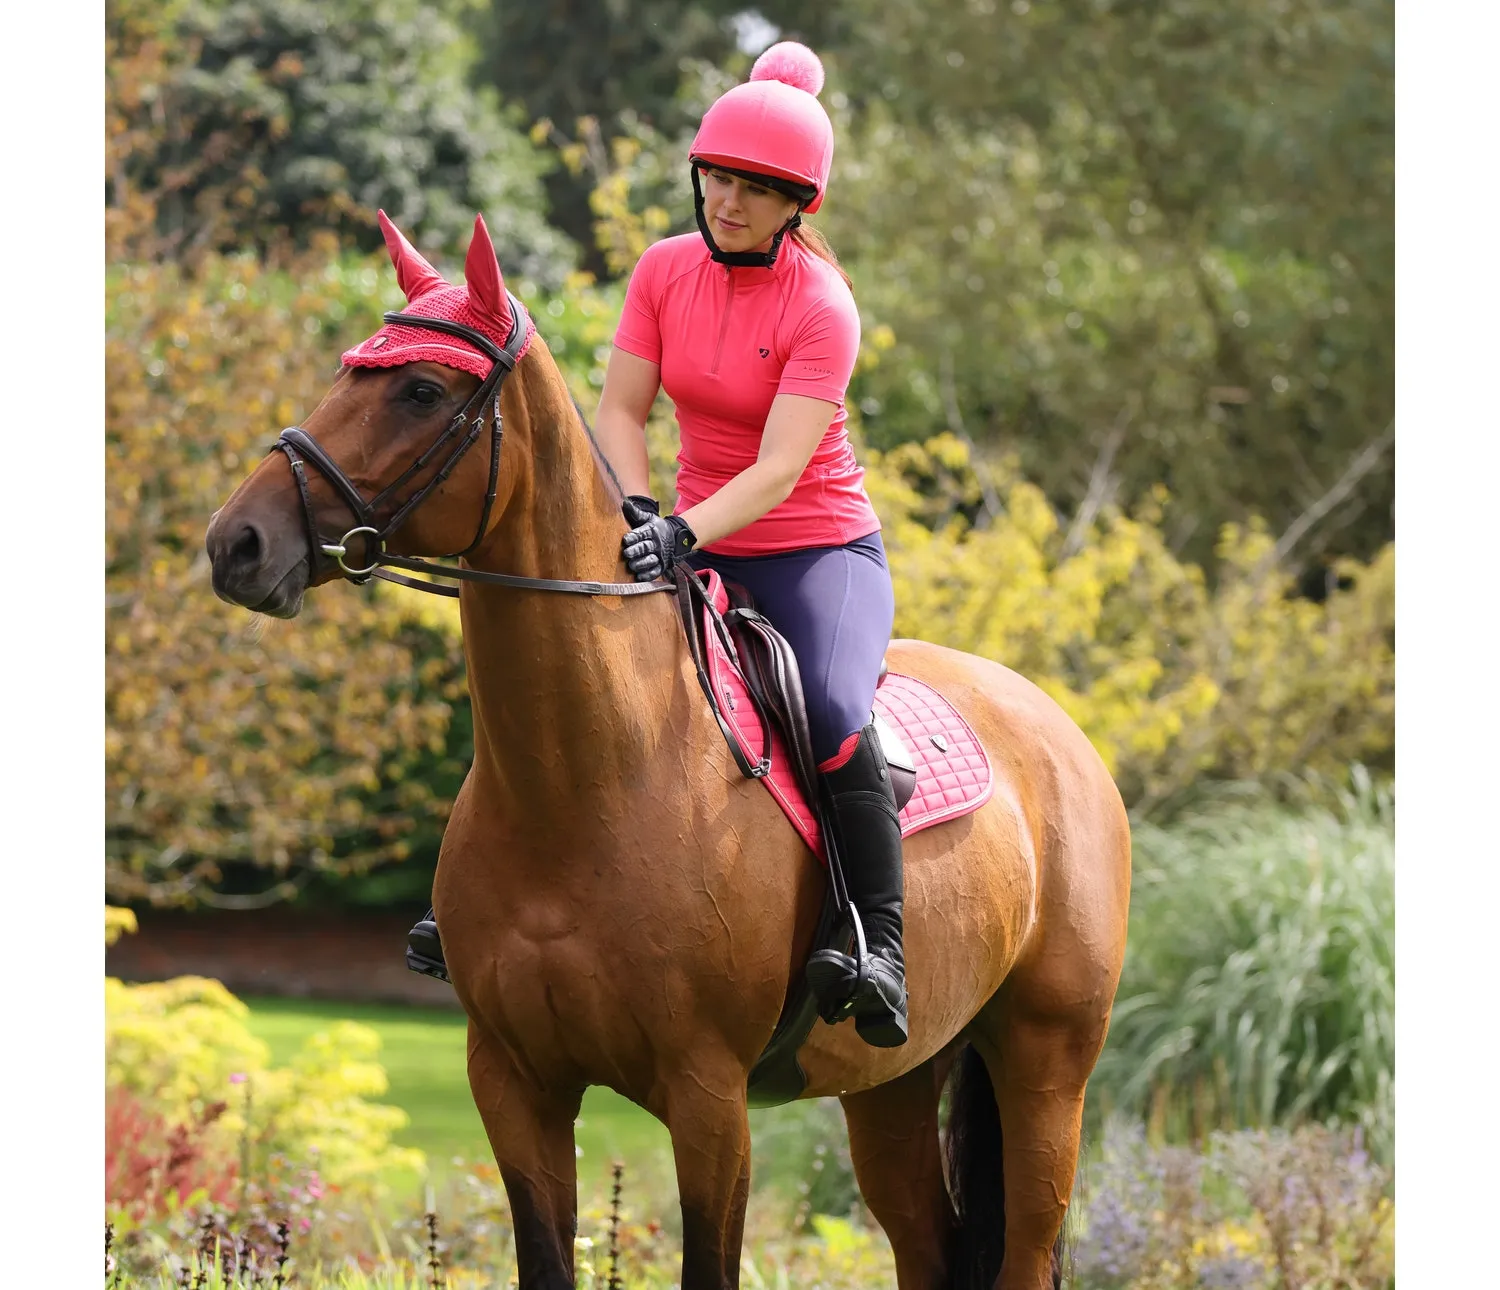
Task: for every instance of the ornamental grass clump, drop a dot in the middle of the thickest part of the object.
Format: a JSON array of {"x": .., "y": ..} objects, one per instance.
[{"x": 1259, "y": 981}]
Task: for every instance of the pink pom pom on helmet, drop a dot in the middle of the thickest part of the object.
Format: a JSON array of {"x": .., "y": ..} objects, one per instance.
[
  {"x": 773, "y": 124},
  {"x": 791, "y": 64}
]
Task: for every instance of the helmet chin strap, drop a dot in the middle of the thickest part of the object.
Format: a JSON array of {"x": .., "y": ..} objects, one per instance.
[{"x": 738, "y": 259}]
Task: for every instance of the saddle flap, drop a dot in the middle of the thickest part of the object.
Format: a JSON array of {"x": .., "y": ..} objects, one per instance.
[
  {"x": 898, "y": 757},
  {"x": 769, "y": 667}
]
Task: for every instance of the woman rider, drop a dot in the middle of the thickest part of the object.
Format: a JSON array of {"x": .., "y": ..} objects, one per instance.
[{"x": 751, "y": 328}]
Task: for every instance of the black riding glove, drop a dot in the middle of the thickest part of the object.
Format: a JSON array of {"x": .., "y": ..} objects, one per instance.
[
  {"x": 637, "y": 509},
  {"x": 654, "y": 546}
]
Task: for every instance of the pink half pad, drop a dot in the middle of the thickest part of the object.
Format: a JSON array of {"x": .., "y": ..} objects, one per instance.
[{"x": 953, "y": 779}]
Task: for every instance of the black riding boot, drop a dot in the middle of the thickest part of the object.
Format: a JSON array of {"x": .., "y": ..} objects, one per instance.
[
  {"x": 424, "y": 951},
  {"x": 869, "y": 838}
]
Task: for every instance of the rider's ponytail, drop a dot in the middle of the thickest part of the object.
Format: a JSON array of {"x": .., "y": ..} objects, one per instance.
[{"x": 815, "y": 242}]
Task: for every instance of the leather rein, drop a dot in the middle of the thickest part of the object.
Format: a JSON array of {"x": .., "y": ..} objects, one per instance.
[{"x": 300, "y": 449}]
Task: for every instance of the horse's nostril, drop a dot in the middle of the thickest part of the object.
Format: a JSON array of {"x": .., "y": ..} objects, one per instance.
[{"x": 247, "y": 547}]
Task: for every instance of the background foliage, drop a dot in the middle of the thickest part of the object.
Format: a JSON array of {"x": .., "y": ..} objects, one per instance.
[
  {"x": 258, "y": 123},
  {"x": 196, "y": 1114},
  {"x": 1136, "y": 244},
  {"x": 230, "y": 739}
]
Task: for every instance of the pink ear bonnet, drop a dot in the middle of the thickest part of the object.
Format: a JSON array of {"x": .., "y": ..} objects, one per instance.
[{"x": 480, "y": 303}]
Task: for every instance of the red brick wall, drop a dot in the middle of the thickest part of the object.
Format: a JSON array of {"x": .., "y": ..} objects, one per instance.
[{"x": 280, "y": 951}]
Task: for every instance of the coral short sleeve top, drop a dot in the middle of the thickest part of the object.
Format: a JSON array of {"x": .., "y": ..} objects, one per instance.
[{"x": 728, "y": 341}]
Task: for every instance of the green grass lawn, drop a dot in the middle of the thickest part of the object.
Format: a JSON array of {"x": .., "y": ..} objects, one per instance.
[{"x": 423, "y": 1051}]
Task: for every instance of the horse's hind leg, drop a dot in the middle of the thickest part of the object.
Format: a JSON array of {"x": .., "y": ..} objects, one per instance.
[
  {"x": 893, "y": 1140},
  {"x": 1039, "y": 1061},
  {"x": 531, "y": 1133}
]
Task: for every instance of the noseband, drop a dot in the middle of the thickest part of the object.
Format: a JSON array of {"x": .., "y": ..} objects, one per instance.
[{"x": 467, "y": 427}]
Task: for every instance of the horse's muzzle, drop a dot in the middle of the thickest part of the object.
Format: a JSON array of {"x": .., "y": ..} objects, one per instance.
[{"x": 246, "y": 571}]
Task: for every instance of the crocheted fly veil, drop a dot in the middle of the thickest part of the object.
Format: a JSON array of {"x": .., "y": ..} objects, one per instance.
[{"x": 480, "y": 303}]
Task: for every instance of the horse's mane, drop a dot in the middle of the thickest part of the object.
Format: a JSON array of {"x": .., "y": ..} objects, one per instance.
[{"x": 599, "y": 458}]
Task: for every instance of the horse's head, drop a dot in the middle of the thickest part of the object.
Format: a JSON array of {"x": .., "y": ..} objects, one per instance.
[{"x": 403, "y": 452}]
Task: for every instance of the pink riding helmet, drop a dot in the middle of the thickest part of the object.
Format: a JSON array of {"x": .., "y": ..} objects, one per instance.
[{"x": 773, "y": 124}]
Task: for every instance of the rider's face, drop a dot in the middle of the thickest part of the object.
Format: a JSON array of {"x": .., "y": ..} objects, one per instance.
[{"x": 743, "y": 216}]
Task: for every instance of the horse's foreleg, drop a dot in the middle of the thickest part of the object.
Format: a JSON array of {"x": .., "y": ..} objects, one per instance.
[
  {"x": 710, "y": 1126},
  {"x": 1039, "y": 1064},
  {"x": 531, "y": 1133},
  {"x": 893, "y": 1140}
]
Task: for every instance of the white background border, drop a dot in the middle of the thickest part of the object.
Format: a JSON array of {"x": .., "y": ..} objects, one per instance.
[{"x": 51, "y": 664}]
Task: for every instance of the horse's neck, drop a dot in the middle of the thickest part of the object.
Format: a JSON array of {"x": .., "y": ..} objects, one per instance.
[{"x": 569, "y": 692}]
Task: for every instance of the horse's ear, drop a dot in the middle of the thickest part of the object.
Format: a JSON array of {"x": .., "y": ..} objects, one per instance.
[
  {"x": 482, "y": 275},
  {"x": 414, "y": 275}
]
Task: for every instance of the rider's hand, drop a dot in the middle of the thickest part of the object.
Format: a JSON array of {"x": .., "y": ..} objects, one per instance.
[
  {"x": 651, "y": 548},
  {"x": 637, "y": 509}
]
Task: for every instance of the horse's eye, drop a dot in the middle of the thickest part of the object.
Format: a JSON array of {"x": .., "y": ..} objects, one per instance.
[{"x": 424, "y": 394}]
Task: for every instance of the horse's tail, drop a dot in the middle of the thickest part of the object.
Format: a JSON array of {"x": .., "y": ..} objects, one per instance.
[{"x": 976, "y": 1179}]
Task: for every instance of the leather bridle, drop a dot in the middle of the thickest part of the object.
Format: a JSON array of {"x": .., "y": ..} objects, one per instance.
[{"x": 466, "y": 428}]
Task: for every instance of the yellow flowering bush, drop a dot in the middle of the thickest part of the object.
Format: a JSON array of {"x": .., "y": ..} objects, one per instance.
[
  {"x": 182, "y": 1046},
  {"x": 1171, "y": 678},
  {"x": 178, "y": 1042}
]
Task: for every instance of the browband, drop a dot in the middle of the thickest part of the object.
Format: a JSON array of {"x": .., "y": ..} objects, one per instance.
[{"x": 508, "y": 355}]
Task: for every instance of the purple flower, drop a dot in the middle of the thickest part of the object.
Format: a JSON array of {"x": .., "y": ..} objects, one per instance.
[{"x": 1230, "y": 1272}]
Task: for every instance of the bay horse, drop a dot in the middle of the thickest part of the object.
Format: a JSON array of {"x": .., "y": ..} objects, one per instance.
[{"x": 620, "y": 906}]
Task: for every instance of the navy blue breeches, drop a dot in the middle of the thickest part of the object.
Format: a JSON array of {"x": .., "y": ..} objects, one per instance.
[{"x": 835, "y": 606}]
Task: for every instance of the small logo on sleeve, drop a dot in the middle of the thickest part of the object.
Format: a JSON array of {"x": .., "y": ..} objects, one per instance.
[{"x": 765, "y": 353}]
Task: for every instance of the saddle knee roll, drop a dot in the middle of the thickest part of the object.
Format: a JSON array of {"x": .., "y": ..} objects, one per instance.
[{"x": 898, "y": 757}]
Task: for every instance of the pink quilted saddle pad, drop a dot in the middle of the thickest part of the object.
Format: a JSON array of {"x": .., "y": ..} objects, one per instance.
[{"x": 953, "y": 770}]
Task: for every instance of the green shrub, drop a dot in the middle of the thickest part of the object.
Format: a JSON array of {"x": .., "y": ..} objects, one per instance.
[
  {"x": 182, "y": 1049},
  {"x": 1259, "y": 983},
  {"x": 802, "y": 1151}
]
